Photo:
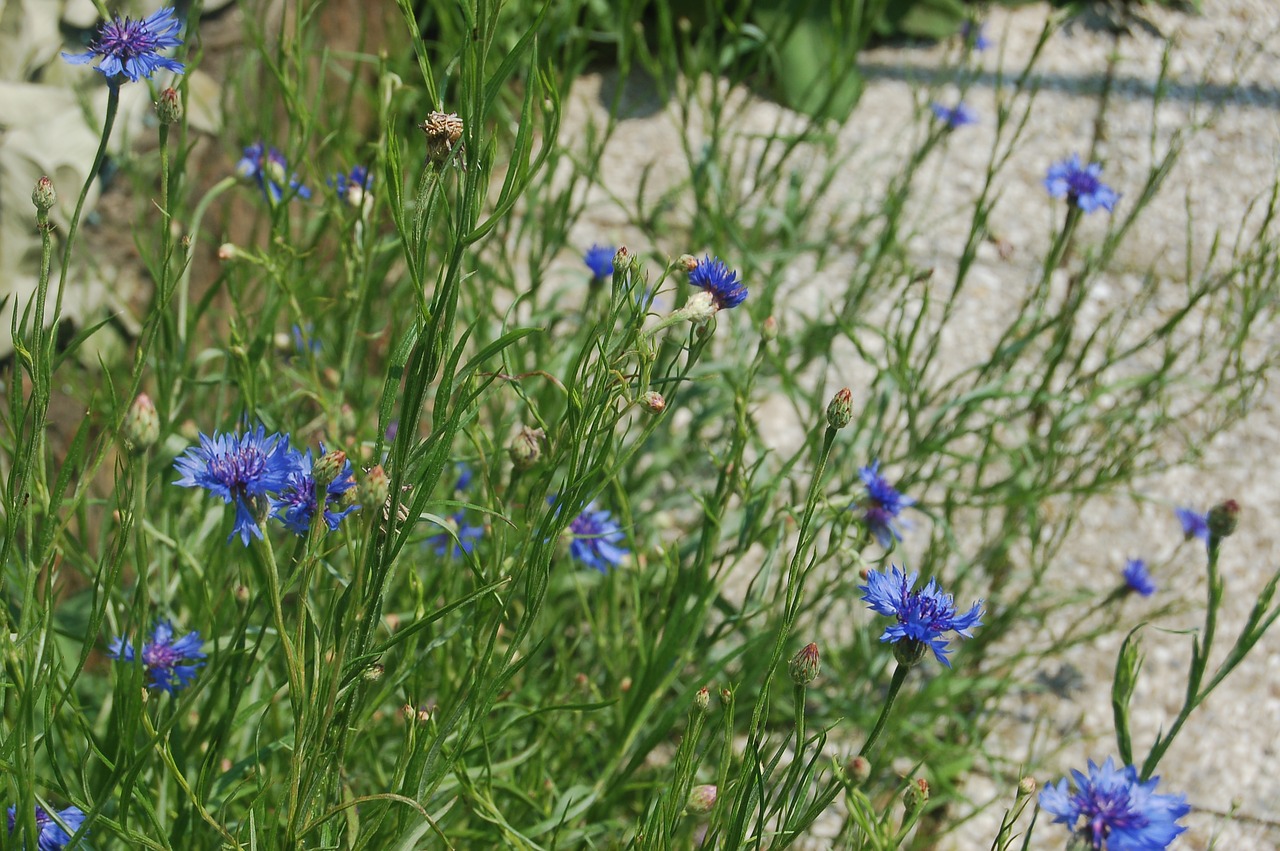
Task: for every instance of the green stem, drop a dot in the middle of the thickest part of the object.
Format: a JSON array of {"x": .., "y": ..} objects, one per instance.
[
  {"x": 895, "y": 685},
  {"x": 184, "y": 283}
]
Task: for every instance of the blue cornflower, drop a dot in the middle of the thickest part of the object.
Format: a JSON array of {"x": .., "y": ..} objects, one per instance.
[
  {"x": 1119, "y": 812},
  {"x": 714, "y": 276},
  {"x": 599, "y": 259},
  {"x": 270, "y": 170},
  {"x": 883, "y": 505},
  {"x": 443, "y": 543},
  {"x": 973, "y": 35},
  {"x": 297, "y": 503},
  {"x": 464, "y": 476},
  {"x": 161, "y": 656},
  {"x": 304, "y": 340},
  {"x": 596, "y": 539},
  {"x": 52, "y": 836},
  {"x": 239, "y": 468},
  {"x": 351, "y": 187},
  {"x": 922, "y": 616},
  {"x": 132, "y": 48},
  {"x": 1137, "y": 578},
  {"x": 1080, "y": 185},
  {"x": 956, "y": 116},
  {"x": 1194, "y": 524}
]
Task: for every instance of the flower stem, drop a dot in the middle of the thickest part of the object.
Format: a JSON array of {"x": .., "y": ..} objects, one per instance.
[{"x": 899, "y": 677}]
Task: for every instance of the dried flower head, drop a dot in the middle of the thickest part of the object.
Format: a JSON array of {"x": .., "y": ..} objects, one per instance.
[{"x": 444, "y": 131}]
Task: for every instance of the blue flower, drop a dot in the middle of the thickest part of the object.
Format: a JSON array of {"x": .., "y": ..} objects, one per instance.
[
  {"x": 1080, "y": 185},
  {"x": 270, "y": 170},
  {"x": 714, "y": 276},
  {"x": 239, "y": 468},
  {"x": 973, "y": 35},
  {"x": 883, "y": 504},
  {"x": 52, "y": 836},
  {"x": 132, "y": 48},
  {"x": 443, "y": 543},
  {"x": 296, "y": 504},
  {"x": 161, "y": 657},
  {"x": 1194, "y": 524},
  {"x": 344, "y": 185},
  {"x": 464, "y": 476},
  {"x": 596, "y": 539},
  {"x": 1137, "y": 578},
  {"x": 922, "y": 616},
  {"x": 953, "y": 117},
  {"x": 304, "y": 340},
  {"x": 1119, "y": 812},
  {"x": 599, "y": 259}
]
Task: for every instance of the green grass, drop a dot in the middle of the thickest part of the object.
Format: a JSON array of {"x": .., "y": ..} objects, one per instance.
[{"x": 363, "y": 690}]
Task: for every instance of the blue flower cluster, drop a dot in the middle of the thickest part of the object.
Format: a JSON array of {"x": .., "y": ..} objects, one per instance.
[
  {"x": 170, "y": 662},
  {"x": 270, "y": 170},
  {"x": 52, "y": 836},
  {"x": 596, "y": 540},
  {"x": 921, "y": 616},
  {"x": 1137, "y": 578},
  {"x": 129, "y": 48},
  {"x": 954, "y": 116},
  {"x": 1114, "y": 810},
  {"x": 882, "y": 505},
  {"x": 259, "y": 472}
]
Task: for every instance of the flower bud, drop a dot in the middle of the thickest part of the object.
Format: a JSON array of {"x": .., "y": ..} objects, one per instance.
[
  {"x": 687, "y": 262},
  {"x": 142, "y": 423},
  {"x": 702, "y": 699},
  {"x": 373, "y": 673},
  {"x": 1223, "y": 519},
  {"x": 805, "y": 665},
  {"x": 526, "y": 448},
  {"x": 444, "y": 130},
  {"x": 376, "y": 487},
  {"x": 858, "y": 769},
  {"x": 916, "y": 796},
  {"x": 43, "y": 195},
  {"x": 700, "y": 307},
  {"x": 169, "y": 107},
  {"x": 769, "y": 330},
  {"x": 1026, "y": 787},
  {"x": 328, "y": 468},
  {"x": 653, "y": 402},
  {"x": 227, "y": 251},
  {"x": 840, "y": 411},
  {"x": 701, "y": 799}
]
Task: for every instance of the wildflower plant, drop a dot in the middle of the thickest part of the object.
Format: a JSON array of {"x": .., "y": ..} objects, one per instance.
[{"x": 682, "y": 698}]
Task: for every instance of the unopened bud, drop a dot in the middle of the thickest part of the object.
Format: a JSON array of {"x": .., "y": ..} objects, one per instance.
[
  {"x": 375, "y": 488},
  {"x": 43, "y": 195},
  {"x": 687, "y": 262},
  {"x": 700, "y": 307},
  {"x": 1223, "y": 519},
  {"x": 1026, "y": 787},
  {"x": 916, "y": 796},
  {"x": 169, "y": 107},
  {"x": 142, "y": 423},
  {"x": 702, "y": 699},
  {"x": 241, "y": 593},
  {"x": 444, "y": 130},
  {"x": 840, "y": 411},
  {"x": 769, "y": 330},
  {"x": 328, "y": 468},
  {"x": 805, "y": 665},
  {"x": 858, "y": 770},
  {"x": 227, "y": 251},
  {"x": 526, "y": 448},
  {"x": 653, "y": 402},
  {"x": 701, "y": 799}
]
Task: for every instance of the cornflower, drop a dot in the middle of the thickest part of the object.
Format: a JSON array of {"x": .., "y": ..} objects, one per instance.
[
  {"x": 1194, "y": 524},
  {"x": 161, "y": 656},
  {"x": 1119, "y": 812},
  {"x": 242, "y": 469},
  {"x": 883, "y": 505},
  {"x": 921, "y": 616},
  {"x": 713, "y": 276},
  {"x": 129, "y": 48},
  {"x": 298, "y": 500},
  {"x": 954, "y": 116},
  {"x": 1137, "y": 578},
  {"x": 599, "y": 259},
  {"x": 596, "y": 538},
  {"x": 270, "y": 170},
  {"x": 52, "y": 836},
  {"x": 1080, "y": 185}
]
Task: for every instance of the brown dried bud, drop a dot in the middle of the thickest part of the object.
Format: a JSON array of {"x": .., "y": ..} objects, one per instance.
[{"x": 444, "y": 130}]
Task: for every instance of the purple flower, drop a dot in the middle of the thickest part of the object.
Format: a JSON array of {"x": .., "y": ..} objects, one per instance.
[
  {"x": 351, "y": 187},
  {"x": 596, "y": 540},
  {"x": 444, "y": 544},
  {"x": 304, "y": 340},
  {"x": 270, "y": 170},
  {"x": 599, "y": 259},
  {"x": 922, "y": 616},
  {"x": 1080, "y": 185},
  {"x": 1119, "y": 812},
  {"x": 953, "y": 117},
  {"x": 1194, "y": 524},
  {"x": 297, "y": 503},
  {"x": 973, "y": 35},
  {"x": 464, "y": 476},
  {"x": 883, "y": 504},
  {"x": 161, "y": 657},
  {"x": 132, "y": 48},
  {"x": 52, "y": 836},
  {"x": 714, "y": 276},
  {"x": 1137, "y": 578},
  {"x": 239, "y": 468}
]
